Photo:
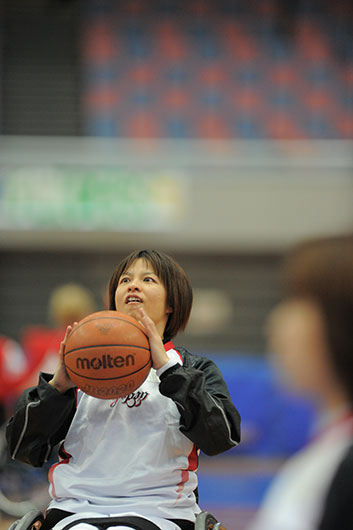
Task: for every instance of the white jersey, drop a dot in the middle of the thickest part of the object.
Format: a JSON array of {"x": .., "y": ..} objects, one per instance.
[
  {"x": 296, "y": 499},
  {"x": 122, "y": 453}
]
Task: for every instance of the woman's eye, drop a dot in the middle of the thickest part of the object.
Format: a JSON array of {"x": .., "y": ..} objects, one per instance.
[
  {"x": 148, "y": 279},
  {"x": 124, "y": 280}
]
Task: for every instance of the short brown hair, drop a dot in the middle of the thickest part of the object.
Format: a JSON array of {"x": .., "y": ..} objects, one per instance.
[
  {"x": 322, "y": 270},
  {"x": 175, "y": 281}
]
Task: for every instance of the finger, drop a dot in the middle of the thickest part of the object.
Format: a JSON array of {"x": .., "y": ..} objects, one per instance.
[
  {"x": 63, "y": 342},
  {"x": 147, "y": 321},
  {"x": 142, "y": 312},
  {"x": 141, "y": 323},
  {"x": 67, "y": 333}
]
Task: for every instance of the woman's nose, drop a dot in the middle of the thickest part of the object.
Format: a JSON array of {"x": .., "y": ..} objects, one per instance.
[{"x": 134, "y": 286}]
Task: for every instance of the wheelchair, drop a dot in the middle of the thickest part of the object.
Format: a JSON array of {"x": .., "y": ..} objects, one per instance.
[{"x": 204, "y": 521}]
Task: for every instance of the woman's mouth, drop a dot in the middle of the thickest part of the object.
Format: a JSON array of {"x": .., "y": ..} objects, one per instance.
[{"x": 133, "y": 300}]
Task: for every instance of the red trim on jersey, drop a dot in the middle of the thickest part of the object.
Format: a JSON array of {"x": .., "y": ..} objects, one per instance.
[
  {"x": 184, "y": 479},
  {"x": 52, "y": 469},
  {"x": 346, "y": 418},
  {"x": 170, "y": 346},
  {"x": 193, "y": 459}
]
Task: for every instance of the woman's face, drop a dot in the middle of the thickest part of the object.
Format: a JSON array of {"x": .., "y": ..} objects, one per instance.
[
  {"x": 139, "y": 286},
  {"x": 297, "y": 341}
]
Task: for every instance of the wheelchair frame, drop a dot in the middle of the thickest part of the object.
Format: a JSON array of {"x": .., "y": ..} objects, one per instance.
[{"x": 204, "y": 521}]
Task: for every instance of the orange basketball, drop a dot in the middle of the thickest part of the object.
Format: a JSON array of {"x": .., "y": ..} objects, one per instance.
[{"x": 107, "y": 355}]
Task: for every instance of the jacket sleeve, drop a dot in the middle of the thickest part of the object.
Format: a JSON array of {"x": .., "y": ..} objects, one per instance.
[
  {"x": 41, "y": 420},
  {"x": 208, "y": 416}
]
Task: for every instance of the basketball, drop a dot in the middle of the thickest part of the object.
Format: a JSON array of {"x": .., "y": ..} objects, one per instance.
[{"x": 107, "y": 355}]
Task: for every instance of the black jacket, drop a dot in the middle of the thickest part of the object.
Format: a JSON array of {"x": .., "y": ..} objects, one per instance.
[
  {"x": 208, "y": 416},
  {"x": 338, "y": 508}
]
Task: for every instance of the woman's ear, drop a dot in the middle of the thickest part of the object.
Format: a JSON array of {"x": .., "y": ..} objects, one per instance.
[{"x": 169, "y": 310}]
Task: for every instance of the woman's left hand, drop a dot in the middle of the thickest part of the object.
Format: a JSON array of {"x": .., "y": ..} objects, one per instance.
[{"x": 159, "y": 356}]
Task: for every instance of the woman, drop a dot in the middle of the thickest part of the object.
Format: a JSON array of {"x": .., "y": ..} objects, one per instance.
[
  {"x": 311, "y": 339},
  {"x": 136, "y": 456}
]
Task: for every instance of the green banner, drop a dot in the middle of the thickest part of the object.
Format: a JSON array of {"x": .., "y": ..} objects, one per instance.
[{"x": 110, "y": 198}]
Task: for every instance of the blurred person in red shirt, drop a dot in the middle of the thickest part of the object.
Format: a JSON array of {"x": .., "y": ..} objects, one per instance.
[
  {"x": 68, "y": 303},
  {"x": 13, "y": 371}
]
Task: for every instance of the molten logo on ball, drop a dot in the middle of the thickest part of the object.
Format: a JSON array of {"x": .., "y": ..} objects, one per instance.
[
  {"x": 106, "y": 361},
  {"x": 107, "y": 355}
]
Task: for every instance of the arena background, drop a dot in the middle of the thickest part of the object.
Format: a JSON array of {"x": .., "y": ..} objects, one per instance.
[{"x": 218, "y": 131}]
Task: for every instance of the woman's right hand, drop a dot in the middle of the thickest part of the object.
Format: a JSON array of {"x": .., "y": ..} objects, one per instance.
[{"x": 61, "y": 380}]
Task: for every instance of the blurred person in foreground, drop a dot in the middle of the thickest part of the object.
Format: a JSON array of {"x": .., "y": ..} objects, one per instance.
[{"x": 311, "y": 337}]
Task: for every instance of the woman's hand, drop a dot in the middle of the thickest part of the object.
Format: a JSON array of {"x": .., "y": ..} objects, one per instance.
[
  {"x": 61, "y": 380},
  {"x": 159, "y": 356}
]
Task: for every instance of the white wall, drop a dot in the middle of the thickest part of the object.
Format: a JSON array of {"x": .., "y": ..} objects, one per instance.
[{"x": 234, "y": 195}]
